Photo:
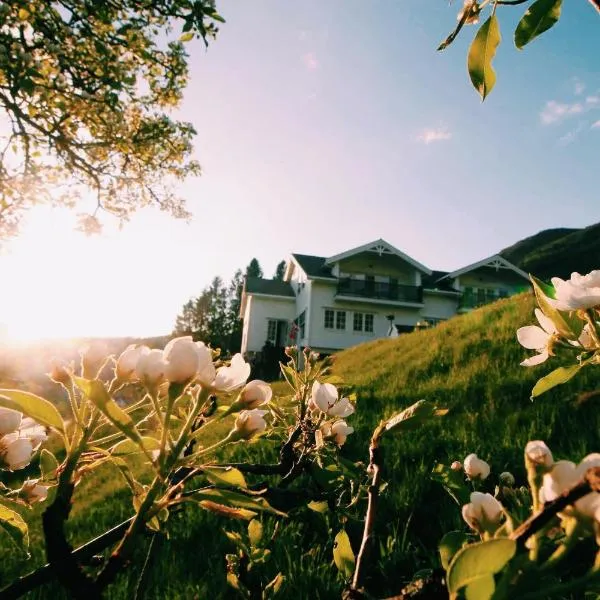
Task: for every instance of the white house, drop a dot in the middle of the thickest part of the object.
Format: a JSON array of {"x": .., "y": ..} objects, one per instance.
[{"x": 331, "y": 303}]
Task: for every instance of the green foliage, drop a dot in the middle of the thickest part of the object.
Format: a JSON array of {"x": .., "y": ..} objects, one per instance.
[
  {"x": 540, "y": 16},
  {"x": 33, "y": 406},
  {"x": 15, "y": 526},
  {"x": 557, "y": 377},
  {"x": 475, "y": 565},
  {"x": 343, "y": 556},
  {"x": 88, "y": 88},
  {"x": 450, "y": 544},
  {"x": 481, "y": 53}
]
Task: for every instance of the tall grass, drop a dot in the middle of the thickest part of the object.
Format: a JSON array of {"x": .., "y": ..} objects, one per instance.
[{"x": 469, "y": 364}]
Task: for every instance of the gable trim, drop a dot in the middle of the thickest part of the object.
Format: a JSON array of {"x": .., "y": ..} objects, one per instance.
[{"x": 492, "y": 261}]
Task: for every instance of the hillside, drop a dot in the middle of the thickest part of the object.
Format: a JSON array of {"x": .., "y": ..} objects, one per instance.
[
  {"x": 469, "y": 364},
  {"x": 557, "y": 252}
]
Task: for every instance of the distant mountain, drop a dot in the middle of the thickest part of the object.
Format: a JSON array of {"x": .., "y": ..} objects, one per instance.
[{"x": 557, "y": 252}]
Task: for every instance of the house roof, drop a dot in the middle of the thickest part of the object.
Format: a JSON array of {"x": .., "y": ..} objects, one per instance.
[
  {"x": 382, "y": 247},
  {"x": 437, "y": 281},
  {"x": 313, "y": 266},
  {"x": 268, "y": 287},
  {"x": 497, "y": 261}
]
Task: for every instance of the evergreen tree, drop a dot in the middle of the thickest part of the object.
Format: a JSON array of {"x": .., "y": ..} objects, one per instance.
[
  {"x": 279, "y": 271},
  {"x": 254, "y": 269}
]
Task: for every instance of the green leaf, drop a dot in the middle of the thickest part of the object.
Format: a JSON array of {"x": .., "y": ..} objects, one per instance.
[
  {"x": 481, "y": 589},
  {"x": 541, "y": 16},
  {"x": 225, "y": 476},
  {"x": 454, "y": 483},
  {"x": 342, "y": 554},
  {"x": 98, "y": 394},
  {"x": 289, "y": 375},
  {"x": 568, "y": 327},
  {"x": 479, "y": 560},
  {"x": 451, "y": 543},
  {"x": 14, "y": 525},
  {"x": 255, "y": 532},
  {"x": 413, "y": 416},
  {"x": 236, "y": 499},
  {"x": 33, "y": 406},
  {"x": 48, "y": 464},
  {"x": 187, "y": 36},
  {"x": 126, "y": 447},
  {"x": 481, "y": 54},
  {"x": 557, "y": 377}
]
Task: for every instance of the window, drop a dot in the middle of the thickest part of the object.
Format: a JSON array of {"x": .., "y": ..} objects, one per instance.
[
  {"x": 503, "y": 293},
  {"x": 302, "y": 323},
  {"x": 358, "y": 321},
  {"x": 340, "y": 319},
  {"x": 272, "y": 331},
  {"x": 369, "y": 323},
  {"x": 328, "y": 318}
]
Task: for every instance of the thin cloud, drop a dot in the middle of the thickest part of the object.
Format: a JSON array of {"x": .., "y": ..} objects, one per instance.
[
  {"x": 593, "y": 100},
  {"x": 579, "y": 87},
  {"x": 596, "y": 125},
  {"x": 431, "y": 135},
  {"x": 554, "y": 112},
  {"x": 310, "y": 60}
]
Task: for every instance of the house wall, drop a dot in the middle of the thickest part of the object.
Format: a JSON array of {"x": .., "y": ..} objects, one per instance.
[
  {"x": 323, "y": 296},
  {"x": 488, "y": 278},
  {"x": 259, "y": 309},
  {"x": 439, "y": 306}
]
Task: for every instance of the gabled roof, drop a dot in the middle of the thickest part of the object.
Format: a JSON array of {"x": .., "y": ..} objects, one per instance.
[
  {"x": 496, "y": 261},
  {"x": 437, "y": 281},
  {"x": 268, "y": 287},
  {"x": 313, "y": 266},
  {"x": 381, "y": 247}
]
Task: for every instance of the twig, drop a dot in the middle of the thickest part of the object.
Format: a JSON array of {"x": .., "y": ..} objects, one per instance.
[
  {"x": 595, "y": 4},
  {"x": 374, "y": 470}
]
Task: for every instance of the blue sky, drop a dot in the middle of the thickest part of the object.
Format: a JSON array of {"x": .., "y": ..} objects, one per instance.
[{"x": 324, "y": 125}]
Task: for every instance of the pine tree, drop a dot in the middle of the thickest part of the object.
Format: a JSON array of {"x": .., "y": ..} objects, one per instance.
[
  {"x": 254, "y": 269},
  {"x": 279, "y": 271}
]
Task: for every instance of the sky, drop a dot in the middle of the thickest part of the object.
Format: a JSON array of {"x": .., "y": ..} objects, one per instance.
[{"x": 323, "y": 126}]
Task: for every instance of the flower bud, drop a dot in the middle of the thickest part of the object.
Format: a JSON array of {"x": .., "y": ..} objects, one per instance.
[
  {"x": 182, "y": 358},
  {"x": 340, "y": 431},
  {"x": 475, "y": 468},
  {"x": 249, "y": 423},
  {"x": 150, "y": 368},
  {"x": 255, "y": 393},
  {"x": 15, "y": 452},
  {"x": 323, "y": 396},
  {"x": 59, "y": 373},
  {"x": 206, "y": 368},
  {"x": 10, "y": 420},
  {"x": 127, "y": 362},
  {"x": 507, "y": 479},
  {"x": 93, "y": 357},
  {"x": 538, "y": 454},
  {"x": 483, "y": 514},
  {"x": 33, "y": 492},
  {"x": 456, "y": 465}
]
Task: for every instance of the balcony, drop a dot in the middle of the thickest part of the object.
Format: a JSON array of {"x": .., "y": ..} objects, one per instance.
[{"x": 379, "y": 290}]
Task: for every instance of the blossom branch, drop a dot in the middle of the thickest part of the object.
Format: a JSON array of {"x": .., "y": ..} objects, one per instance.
[{"x": 590, "y": 483}]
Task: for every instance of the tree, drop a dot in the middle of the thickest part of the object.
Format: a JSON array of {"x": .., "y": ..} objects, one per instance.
[
  {"x": 236, "y": 287},
  {"x": 254, "y": 269},
  {"x": 86, "y": 88},
  {"x": 540, "y": 16},
  {"x": 279, "y": 271}
]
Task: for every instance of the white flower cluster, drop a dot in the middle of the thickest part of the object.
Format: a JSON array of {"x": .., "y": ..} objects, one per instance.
[
  {"x": 579, "y": 293},
  {"x": 19, "y": 439},
  {"x": 325, "y": 399},
  {"x": 185, "y": 361}
]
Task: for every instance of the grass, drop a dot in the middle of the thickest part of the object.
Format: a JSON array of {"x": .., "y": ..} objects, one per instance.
[{"x": 469, "y": 364}]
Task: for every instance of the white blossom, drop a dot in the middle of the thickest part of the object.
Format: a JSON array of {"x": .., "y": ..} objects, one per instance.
[
  {"x": 15, "y": 452},
  {"x": 93, "y": 357},
  {"x": 340, "y": 431},
  {"x": 324, "y": 397},
  {"x": 206, "y": 368},
  {"x": 234, "y": 376},
  {"x": 127, "y": 362},
  {"x": 249, "y": 423},
  {"x": 578, "y": 292},
  {"x": 150, "y": 368},
  {"x": 539, "y": 454},
  {"x": 475, "y": 468},
  {"x": 182, "y": 358},
  {"x": 255, "y": 393},
  {"x": 483, "y": 513},
  {"x": 10, "y": 420},
  {"x": 33, "y": 491},
  {"x": 537, "y": 338}
]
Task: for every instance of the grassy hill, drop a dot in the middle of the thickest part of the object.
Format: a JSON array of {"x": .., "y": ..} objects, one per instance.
[
  {"x": 557, "y": 252},
  {"x": 469, "y": 364}
]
